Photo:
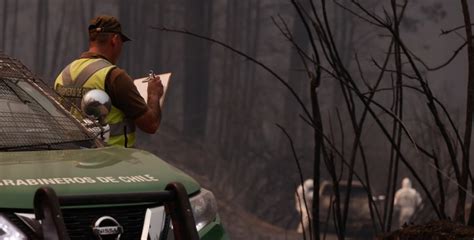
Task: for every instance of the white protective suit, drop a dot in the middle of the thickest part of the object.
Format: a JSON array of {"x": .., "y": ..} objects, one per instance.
[
  {"x": 308, "y": 186},
  {"x": 406, "y": 200}
]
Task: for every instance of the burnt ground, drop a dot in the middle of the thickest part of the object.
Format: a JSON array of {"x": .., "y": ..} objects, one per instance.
[
  {"x": 240, "y": 224},
  {"x": 437, "y": 230}
]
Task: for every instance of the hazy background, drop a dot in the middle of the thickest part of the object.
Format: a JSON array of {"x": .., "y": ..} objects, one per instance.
[{"x": 221, "y": 110}]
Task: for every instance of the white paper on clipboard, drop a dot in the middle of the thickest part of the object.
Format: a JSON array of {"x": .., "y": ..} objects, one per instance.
[{"x": 142, "y": 85}]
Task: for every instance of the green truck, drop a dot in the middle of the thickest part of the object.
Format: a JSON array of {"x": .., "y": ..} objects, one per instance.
[{"x": 58, "y": 181}]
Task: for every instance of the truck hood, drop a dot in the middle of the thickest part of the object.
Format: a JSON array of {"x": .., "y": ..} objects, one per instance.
[{"x": 84, "y": 171}]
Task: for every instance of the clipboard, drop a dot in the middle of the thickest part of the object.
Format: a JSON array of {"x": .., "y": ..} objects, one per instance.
[{"x": 142, "y": 86}]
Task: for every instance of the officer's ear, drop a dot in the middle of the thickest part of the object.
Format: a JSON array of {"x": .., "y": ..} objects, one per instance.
[{"x": 116, "y": 39}]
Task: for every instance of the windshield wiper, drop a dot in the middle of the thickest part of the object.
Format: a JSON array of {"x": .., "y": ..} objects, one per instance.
[{"x": 15, "y": 90}]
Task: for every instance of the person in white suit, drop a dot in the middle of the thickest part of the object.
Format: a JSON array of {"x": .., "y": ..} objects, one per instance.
[
  {"x": 406, "y": 200},
  {"x": 308, "y": 187}
]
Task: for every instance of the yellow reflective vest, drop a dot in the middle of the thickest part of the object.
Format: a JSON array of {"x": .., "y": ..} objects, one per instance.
[{"x": 85, "y": 74}]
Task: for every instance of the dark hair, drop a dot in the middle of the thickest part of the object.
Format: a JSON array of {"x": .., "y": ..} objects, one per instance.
[{"x": 100, "y": 37}]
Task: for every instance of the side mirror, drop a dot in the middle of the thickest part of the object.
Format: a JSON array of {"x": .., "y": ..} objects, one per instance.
[{"x": 96, "y": 104}]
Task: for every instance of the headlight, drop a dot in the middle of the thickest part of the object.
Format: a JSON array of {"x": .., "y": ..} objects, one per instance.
[
  {"x": 9, "y": 231},
  {"x": 204, "y": 207}
]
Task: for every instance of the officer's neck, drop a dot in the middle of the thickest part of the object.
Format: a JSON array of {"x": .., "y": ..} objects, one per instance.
[{"x": 104, "y": 51}]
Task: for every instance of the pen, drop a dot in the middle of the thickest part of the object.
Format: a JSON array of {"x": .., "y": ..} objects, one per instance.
[{"x": 151, "y": 75}]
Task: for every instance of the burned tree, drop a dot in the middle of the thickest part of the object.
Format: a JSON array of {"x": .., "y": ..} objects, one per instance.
[{"x": 401, "y": 68}]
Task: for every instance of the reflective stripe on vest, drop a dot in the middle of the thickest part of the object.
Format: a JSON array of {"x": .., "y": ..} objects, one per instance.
[
  {"x": 122, "y": 134},
  {"x": 85, "y": 74}
]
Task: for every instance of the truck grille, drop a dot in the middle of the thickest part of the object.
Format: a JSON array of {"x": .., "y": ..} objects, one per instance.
[{"x": 79, "y": 221}]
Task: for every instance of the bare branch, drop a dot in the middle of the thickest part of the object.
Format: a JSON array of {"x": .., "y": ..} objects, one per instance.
[
  {"x": 343, "y": 6},
  {"x": 450, "y": 59},
  {"x": 278, "y": 77},
  {"x": 300, "y": 172},
  {"x": 445, "y": 32}
]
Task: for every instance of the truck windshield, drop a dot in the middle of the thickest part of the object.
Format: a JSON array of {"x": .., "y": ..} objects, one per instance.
[{"x": 30, "y": 119}]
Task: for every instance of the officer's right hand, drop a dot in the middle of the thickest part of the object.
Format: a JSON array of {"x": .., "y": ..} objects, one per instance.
[
  {"x": 155, "y": 87},
  {"x": 149, "y": 122}
]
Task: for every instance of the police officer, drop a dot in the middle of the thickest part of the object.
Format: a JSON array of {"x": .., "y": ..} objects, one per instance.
[{"x": 95, "y": 69}]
